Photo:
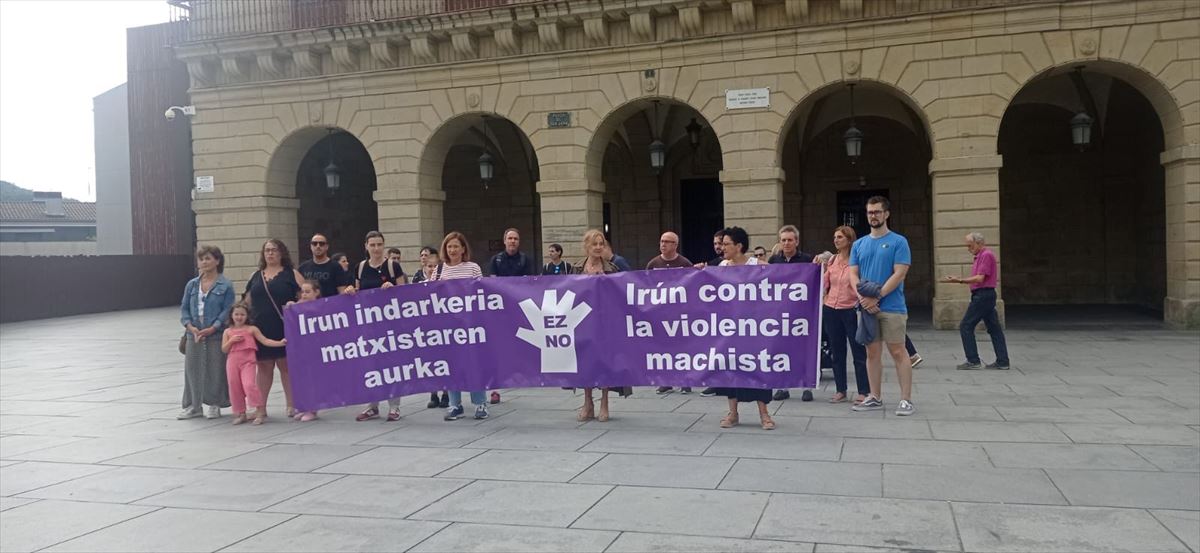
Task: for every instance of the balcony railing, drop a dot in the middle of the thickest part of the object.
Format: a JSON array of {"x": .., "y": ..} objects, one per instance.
[{"x": 211, "y": 19}]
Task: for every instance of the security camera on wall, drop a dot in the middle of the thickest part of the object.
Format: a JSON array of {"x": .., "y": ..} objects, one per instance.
[
  {"x": 169, "y": 114},
  {"x": 186, "y": 110}
]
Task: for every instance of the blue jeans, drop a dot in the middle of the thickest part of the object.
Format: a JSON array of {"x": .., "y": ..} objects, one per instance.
[
  {"x": 477, "y": 398},
  {"x": 840, "y": 327},
  {"x": 983, "y": 308}
]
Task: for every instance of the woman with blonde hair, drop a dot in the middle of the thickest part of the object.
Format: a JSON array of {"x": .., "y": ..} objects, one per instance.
[{"x": 597, "y": 261}]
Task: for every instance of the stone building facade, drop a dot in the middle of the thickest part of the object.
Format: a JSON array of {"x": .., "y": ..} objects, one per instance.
[{"x": 965, "y": 106}]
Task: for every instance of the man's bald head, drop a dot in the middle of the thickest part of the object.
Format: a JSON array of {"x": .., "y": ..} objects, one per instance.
[{"x": 668, "y": 245}]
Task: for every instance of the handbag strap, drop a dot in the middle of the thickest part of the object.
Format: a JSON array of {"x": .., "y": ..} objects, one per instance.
[{"x": 267, "y": 287}]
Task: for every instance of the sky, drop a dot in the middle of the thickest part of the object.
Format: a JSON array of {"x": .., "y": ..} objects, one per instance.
[{"x": 55, "y": 56}]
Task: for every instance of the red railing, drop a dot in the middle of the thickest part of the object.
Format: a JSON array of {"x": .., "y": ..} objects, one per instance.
[{"x": 210, "y": 19}]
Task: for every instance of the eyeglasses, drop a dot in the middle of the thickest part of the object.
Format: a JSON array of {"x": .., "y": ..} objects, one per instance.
[
  {"x": 318, "y": 243},
  {"x": 269, "y": 250}
]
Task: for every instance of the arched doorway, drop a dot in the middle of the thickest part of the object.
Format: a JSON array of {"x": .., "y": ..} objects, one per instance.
[
  {"x": 825, "y": 188},
  {"x": 483, "y": 210},
  {"x": 1082, "y": 224},
  {"x": 344, "y": 214},
  {"x": 684, "y": 195}
]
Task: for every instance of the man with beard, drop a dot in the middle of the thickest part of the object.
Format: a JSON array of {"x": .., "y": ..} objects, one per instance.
[
  {"x": 878, "y": 264},
  {"x": 323, "y": 269}
]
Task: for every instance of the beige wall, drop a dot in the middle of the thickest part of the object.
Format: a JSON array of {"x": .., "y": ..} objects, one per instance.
[
  {"x": 958, "y": 71},
  {"x": 47, "y": 248}
]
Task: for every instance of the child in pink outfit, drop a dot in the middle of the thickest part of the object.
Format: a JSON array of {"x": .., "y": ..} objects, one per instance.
[{"x": 240, "y": 342}]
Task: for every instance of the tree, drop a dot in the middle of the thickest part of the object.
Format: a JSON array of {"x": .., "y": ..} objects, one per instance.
[{"x": 10, "y": 192}]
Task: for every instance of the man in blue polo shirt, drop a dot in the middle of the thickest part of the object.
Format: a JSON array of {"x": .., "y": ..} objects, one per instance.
[{"x": 881, "y": 259}]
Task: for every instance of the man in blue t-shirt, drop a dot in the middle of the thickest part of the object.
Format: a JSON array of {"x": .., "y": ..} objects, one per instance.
[{"x": 881, "y": 259}]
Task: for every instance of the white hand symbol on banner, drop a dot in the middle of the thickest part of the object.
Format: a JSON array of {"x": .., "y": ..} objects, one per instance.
[{"x": 553, "y": 329}]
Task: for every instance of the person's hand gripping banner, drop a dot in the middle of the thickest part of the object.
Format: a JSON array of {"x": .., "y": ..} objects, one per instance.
[{"x": 553, "y": 329}]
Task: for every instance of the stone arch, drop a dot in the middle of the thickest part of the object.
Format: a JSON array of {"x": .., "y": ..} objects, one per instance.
[
  {"x": 448, "y": 172},
  {"x": 1157, "y": 92},
  {"x": 1132, "y": 181},
  {"x": 295, "y": 168},
  {"x": 797, "y": 117},
  {"x": 610, "y": 120}
]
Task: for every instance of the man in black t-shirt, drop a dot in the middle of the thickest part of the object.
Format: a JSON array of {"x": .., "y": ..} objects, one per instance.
[{"x": 321, "y": 268}]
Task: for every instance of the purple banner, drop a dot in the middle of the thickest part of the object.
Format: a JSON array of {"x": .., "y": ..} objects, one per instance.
[{"x": 748, "y": 327}]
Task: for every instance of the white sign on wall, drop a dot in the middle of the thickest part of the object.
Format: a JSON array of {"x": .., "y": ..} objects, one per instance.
[
  {"x": 748, "y": 98},
  {"x": 204, "y": 184}
]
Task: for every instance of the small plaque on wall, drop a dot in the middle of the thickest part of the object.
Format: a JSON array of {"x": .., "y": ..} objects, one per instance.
[{"x": 558, "y": 119}]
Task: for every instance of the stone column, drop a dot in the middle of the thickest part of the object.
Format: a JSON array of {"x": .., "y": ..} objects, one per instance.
[
  {"x": 1181, "y": 308},
  {"x": 754, "y": 201},
  {"x": 410, "y": 218},
  {"x": 569, "y": 208},
  {"x": 966, "y": 198},
  {"x": 240, "y": 225}
]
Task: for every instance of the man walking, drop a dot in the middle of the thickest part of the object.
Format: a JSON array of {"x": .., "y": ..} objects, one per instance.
[
  {"x": 668, "y": 258},
  {"x": 512, "y": 261},
  {"x": 327, "y": 272},
  {"x": 982, "y": 307},
  {"x": 879, "y": 263},
  {"x": 789, "y": 252}
]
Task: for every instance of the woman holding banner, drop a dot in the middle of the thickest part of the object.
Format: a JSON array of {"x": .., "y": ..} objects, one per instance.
[
  {"x": 275, "y": 284},
  {"x": 377, "y": 271},
  {"x": 734, "y": 242},
  {"x": 456, "y": 263},
  {"x": 598, "y": 261}
]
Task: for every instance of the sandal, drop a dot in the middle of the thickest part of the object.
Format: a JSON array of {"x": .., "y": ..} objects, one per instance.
[
  {"x": 258, "y": 419},
  {"x": 367, "y": 415},
  {"x": 393, "y": 415},
  {"x": 586, "y": 414},
  {"x": 859, "y": 399},
  {"x": 730, "y": 420},
  {"x": 239, "y": 419},
  {"x": 603, "y": 416},
  {"x": 309, "y": 416},
  {"x": 839, "y": 397},
  {"x": 292, "y": 412},
  {"x": 768, "y": 423}
]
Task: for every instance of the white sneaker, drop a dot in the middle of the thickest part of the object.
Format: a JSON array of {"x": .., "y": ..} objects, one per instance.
[
  {"x": 905, "y": 408},
  {"x": 187, "y": 414},
  {"x": 213, "y": 412}
]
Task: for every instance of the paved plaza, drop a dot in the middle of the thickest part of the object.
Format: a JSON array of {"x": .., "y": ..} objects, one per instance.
[{"x": 1091, "y": 443}]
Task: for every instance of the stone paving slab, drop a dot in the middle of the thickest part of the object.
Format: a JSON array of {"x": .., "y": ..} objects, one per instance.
[
  {"x": 1151, "y": 490},
  {"x": 1088, "y": 444},
  {"x": 637, "y": 542},
  {"x": 670, "y": 471},
  {"x": 677, "y": 511},
  {"x": 970, "y": 484},
  {"x": 1020, "y": 528},
  {"x": 1185, "y": 525},
  {"x": 121, "y": 485},
  {"x": 46, "y": 523},
  {"x": 527, "y": 466},
  {"x": 324, "y": 533},
  {"x": 867, "y": 521},
  {"x": 174, "y": 530},
  {"x": 518, "y": 503},
  {"x": 470, "y": 538},
  {"x": 370, "y": 496}
]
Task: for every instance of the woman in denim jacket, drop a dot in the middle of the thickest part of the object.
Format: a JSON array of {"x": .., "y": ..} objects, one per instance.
[{"x": 204, "y": 312}]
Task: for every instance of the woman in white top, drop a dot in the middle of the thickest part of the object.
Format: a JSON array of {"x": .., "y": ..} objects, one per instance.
[
  {"x": 734, "y": 242},
  {"x": 456, "y": 263}
]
